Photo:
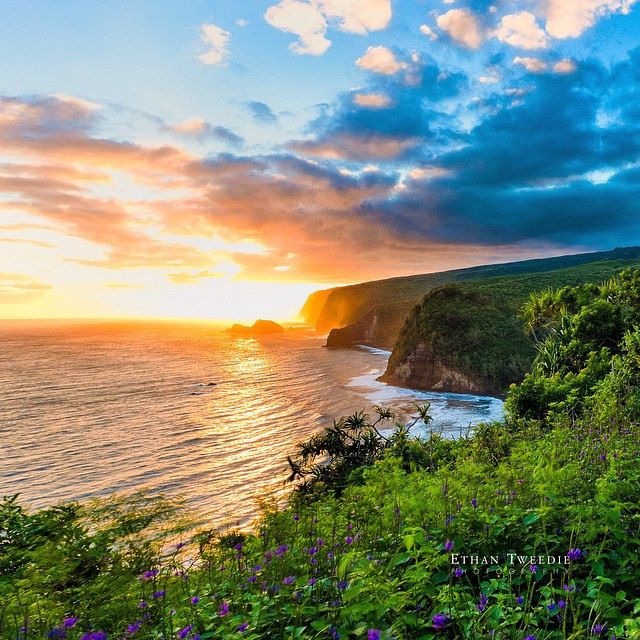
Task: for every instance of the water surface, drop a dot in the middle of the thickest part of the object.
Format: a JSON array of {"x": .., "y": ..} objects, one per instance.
[{"x": 183, "y": 408}]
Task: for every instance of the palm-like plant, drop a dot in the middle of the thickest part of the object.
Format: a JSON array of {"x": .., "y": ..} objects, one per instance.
[{"x": 350, "y": 443}]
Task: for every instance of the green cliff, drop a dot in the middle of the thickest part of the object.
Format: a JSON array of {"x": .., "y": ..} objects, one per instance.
[{"x": 469, "y": 337}]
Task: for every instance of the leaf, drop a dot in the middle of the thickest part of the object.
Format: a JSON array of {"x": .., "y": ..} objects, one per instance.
[{"x": 409, "y": 541}]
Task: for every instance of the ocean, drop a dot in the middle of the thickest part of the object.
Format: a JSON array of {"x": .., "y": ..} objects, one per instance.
[{"x": 185, "y": 409}]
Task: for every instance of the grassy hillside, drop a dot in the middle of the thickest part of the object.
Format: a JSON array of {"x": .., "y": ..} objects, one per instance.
[
  {"x": 342, "y": 306},
  {"x": 468, "y": 337}
]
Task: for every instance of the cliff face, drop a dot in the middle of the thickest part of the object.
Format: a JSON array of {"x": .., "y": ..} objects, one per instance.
[
  {"x": 313, "y": 305},
  {"x": 379, "y": 327}
]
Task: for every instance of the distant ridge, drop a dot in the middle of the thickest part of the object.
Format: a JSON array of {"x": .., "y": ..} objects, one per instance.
[{"x": 341, "y": 306}]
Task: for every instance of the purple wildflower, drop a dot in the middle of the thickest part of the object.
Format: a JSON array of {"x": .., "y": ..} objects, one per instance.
[
  {"x": 574, "y": 554},
  {"x": 312, "y": 582},
  {"x": 296, "y": 517},
  {"x": 58, "y": 633},
  {"x": 223, "y": 610},
  {"x": 482, "y": 605},
  {"x": 289, "y": 580},
  {"x": 474, "y": 503},
  {"x": 520, "y": 600},
  {"x": 598, "y": 629},
  {"x": 458, "y": 573},
  {"x": 238, "y": 546},
  {"x": 195, "y": 600},
  {"x": 95, "y": 635},
  {"x": 184, "y": 632},
  {"x": 71, "y": 622},
  {"x": 552, "y": 607},
  {"x": 282, "y": 549},
  {"x": 342, "y": 585},
  {"x": 348, "y": 540},
  {"x": 533, "y": 568},
  {"x": 149, "y": 575},
  {"x": 568, "y": 587},
  {"x": 142, "y": 604},
  {"x": 243, "y": 627},
  {"x": 561, "y": 604},
  {"x": 440, "y": 621},
  {"x": 529, "y": 637},
  {"x": 134, "y": 628},
  {"x": 374, "y": 634},
  {"x": 333, "y": 633},
  {"x": 159, "y": 594},
  {"x": 448, "y": 545}
]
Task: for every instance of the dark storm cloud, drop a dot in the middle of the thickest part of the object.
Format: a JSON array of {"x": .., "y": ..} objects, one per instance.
[{"x": 554, "y": 165}]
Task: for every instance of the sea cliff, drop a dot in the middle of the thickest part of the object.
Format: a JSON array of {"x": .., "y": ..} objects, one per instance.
[{"x": 438, "y": 335}]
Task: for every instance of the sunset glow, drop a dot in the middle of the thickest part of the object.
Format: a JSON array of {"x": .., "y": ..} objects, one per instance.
[{"x": 199, "y": 181}]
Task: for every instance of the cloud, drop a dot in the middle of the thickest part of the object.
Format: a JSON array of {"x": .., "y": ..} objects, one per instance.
[
  {"x": 372, "y": 100},
  {"x": 34, "y": 243},
  {"x": 199, "y": 129},
  {"x": 262, "y": 112},
  {"x": 303, "y": 20},
  {"x": 186, "y": 277},
  {"x": 429, "y": 32},
  {"x": 226, "y": 135},
  {"x": 570, "y": 18},
  {"x": 521, "y": 30},
  {"x": 242, "y": 23},
  {"x": 351, "y": 147},
  {"x": 196, "y": 127},
  {"x": 565, "y": 66},
  {"x": 16, "y": 288},
  {"x": 488, "y": 79},
  {"x": 357, "y": 16},
  {"x": 122, "y": 285},
  {"x": 217, "y": 40},
  {"x": 462, "y": 26},
  {"x": 352, "y": 130},
  {"x": 380, "y": 60},
  {"x": 534, "y": 65},
  {"x": 310, "y": 20}
]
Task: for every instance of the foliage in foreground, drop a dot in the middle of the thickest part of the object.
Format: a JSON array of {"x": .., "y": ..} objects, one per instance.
[{"x": 366, "y": 551}]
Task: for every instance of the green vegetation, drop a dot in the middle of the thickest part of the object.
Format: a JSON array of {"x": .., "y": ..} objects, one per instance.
[
  {"x": 367, "y": 546},
  {"x": 476, "y": 330}
]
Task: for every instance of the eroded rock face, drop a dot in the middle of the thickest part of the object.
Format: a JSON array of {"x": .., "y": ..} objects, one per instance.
[
  {"x": 378, "y": 328},
  {"x": 421, "y": 371}
]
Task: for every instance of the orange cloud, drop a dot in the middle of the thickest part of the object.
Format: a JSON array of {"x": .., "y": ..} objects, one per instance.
[{"x": 17, "y": 288}]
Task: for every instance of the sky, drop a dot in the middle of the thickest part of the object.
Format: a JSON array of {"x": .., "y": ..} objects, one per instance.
[{"x": 223, "y": 159}]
